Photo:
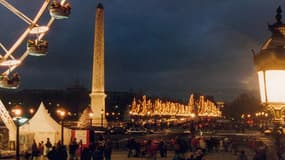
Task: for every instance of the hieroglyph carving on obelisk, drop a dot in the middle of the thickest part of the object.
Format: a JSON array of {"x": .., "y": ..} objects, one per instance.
[{"x": 98, "y": 88}]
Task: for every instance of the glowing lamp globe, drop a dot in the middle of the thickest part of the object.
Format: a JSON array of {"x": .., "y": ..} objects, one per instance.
[{"x": 270, "y": 66}]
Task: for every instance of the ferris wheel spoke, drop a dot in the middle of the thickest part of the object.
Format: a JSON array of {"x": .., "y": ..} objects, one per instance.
[
  {"x": 26, "y": 53},
  {"x": 16, "y": 11},
  {"x": 27, "y": 31},
  {"x": 5, "y": 49},
  {"x": 33, "y": 27}
]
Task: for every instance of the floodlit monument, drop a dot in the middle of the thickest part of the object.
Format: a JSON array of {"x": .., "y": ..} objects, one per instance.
[{"x": 97, "y": 94}]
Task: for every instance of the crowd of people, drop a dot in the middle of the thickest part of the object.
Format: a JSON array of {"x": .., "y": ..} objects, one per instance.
[
  {"x": 100, "y": 150},
  {"x": 194, "y": 147},
  {"x": 184, "y": 148}
]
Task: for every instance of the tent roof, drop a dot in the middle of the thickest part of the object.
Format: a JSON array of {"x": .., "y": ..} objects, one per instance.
[{"x": 41, "y": 122}]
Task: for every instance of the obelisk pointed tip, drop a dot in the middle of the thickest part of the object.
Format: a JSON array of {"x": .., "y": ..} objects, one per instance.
[{"x": 100, "y": 6}]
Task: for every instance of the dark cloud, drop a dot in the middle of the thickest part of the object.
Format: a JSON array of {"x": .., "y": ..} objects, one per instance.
[{"x": 164, "y": 47}]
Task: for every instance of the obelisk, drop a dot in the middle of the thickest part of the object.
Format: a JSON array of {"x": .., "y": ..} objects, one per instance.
[{"x": 97, "y": 94}]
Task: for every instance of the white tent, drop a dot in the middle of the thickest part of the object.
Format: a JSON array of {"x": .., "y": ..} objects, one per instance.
[{"x": 42, "y": 126}]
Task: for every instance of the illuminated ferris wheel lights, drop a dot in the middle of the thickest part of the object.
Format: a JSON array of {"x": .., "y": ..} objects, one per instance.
[
  {"x": 37, "y": 47},
  {"x": 10, "y": 62},
  {"x": 39, "y": 29}
]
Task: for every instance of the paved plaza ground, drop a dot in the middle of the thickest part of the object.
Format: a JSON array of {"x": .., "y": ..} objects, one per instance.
[
  {"x": 209, "y": 156},
  {"x": 122, "y": 155}
]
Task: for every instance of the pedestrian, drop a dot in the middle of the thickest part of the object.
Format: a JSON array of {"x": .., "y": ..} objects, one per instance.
[
  {"x": 131, "y": 146},
  {"x": 242, "y": 156},
  {"x": 180, "y": 148},
  {"x": 162, "y": 148},
  {"x": 48, "y": 146},
  {"x": 62, "y": 153},
  {"x": 150, "y": 151},
  {"x": 108, "y": 149},
  {"x": 35, "y": 151},
  {"x": 98, "y": 153},
  {"x": 86, "y": 154},
  {"x": 73, "y": 146},
  {"x": 27, "y": 155},
  {"x": 41, "y": 149},
  {"x": 52, "y": 154}
]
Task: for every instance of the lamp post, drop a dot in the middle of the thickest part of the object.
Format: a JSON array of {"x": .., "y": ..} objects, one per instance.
[
  {"x": 17, "y": 113},
  {"x": 102, "y": 112},
  {"x": 61, "y": 113},
  {"x": 270, "y": 66},
  {"x": 90, "y": 118}
]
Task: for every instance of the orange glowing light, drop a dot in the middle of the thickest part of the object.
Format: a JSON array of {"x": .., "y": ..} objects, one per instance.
[{"x": 271, "y": 85}]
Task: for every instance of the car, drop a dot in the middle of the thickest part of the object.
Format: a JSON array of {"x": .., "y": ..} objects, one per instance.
[
  {"x": 100, "y": 130},
  {"x": 117, "y": 130},
  {"x": 136, "y": 131},
  {"x": 150, "y": 131},
  {"x": 187, "y": 131},
  {"x": 267, "y": 131}
]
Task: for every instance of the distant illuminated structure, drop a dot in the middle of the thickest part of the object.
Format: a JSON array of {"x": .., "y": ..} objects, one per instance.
[
  {"x": 98, "y": 89},
  {"x": 270, "y": 66},
  {"x": 200, "y": 107}
]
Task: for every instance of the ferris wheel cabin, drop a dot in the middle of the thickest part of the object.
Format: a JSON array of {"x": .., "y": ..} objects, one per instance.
[
  {"x": 37, "y": 47},
  {"x": 9, "y": 83},
  {"x": 59, "y": 11}
]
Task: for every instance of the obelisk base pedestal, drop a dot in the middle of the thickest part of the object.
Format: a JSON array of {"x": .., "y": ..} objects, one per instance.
[{"x": 99, "y": 122}]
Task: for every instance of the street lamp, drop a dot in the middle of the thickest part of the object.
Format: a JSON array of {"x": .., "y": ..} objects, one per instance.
[
  {"x": 17, "y": 114},
  {"x": 61, "y": 113},
  {"x": 90, "y": 118},
  {"x": 270, "y": 66},
  {"x": 102, "y": 113}
]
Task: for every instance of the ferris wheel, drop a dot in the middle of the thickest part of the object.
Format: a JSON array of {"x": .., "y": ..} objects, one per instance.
[{"x": 37, "y": 46}]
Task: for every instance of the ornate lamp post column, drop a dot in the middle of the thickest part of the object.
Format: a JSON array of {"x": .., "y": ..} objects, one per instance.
[
  {"x": 17, "y": 113},
  {"x": 102, "y": 116},
  {"x": 61, "y": 113},
  {"x": 90, "y": 118},
  {"x": 270, "y": 66}
]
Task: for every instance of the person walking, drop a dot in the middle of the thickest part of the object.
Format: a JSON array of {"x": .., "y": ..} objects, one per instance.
[
  {"x": 150, "y": 150},
  {"x": 162, "y": 146},
  {"x": 73, "y": 146},
  {"x": 98, "y": 152},
  {"x": 86, "y": 154},
  {"x": 242, "y": 156},
  {"x": 52, "y": 154},
  {"x": 108, "y": 149},
  {"x": 48, "y": 146},
  {"x": 41, "y": 150},
  {"x": 180, "y": 148},
  {"x": 35, "y": 151}
]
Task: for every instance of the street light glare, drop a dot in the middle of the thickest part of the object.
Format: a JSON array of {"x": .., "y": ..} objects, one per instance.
[
  {"x": 23, "y": 120},
  {"x": 61, "y": 113},
  {"x": 17, "y": 112},
  {"x": 271, "y": 86}
]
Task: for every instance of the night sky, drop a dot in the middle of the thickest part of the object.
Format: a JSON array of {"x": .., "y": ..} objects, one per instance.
[{"x": 164, "y": 48}]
